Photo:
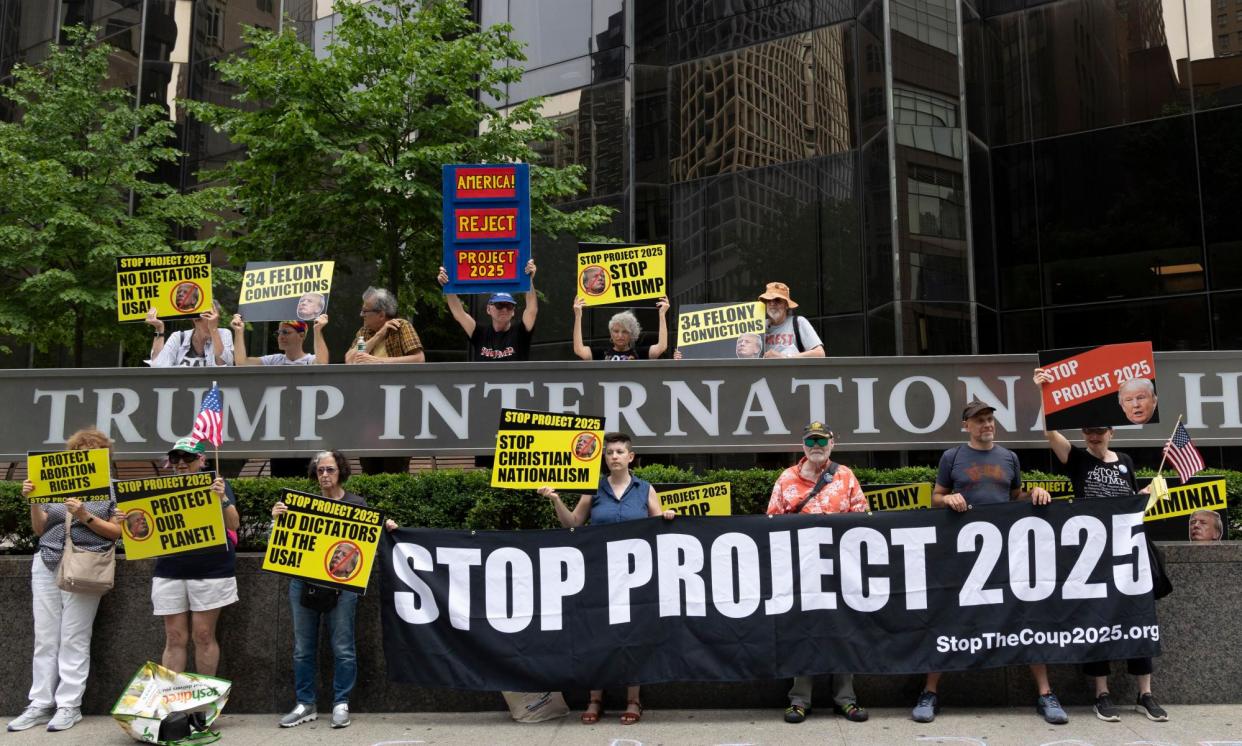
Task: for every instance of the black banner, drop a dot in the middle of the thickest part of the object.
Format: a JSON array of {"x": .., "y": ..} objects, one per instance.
[{"x": 757, "y": 597}]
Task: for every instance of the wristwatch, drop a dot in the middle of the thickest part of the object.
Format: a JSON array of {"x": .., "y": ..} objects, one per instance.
[
  {"x": 89, "y": 519},
  {"x": 159, "y": 334}
]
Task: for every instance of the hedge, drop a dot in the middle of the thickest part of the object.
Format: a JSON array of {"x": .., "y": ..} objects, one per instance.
[{"x": 454, "y": 499}]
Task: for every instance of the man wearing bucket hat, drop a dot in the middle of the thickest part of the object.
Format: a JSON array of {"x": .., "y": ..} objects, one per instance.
[
  {"x": 501, "y": 339},
  {"x": 290, "y": 339},
  {"x": 788, "y": 335},
  {"x": 981, "y": 472},
  {"x": 818, "y": 485}
]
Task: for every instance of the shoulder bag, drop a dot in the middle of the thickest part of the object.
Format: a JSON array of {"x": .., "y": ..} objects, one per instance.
[{"x": 81, "y": 571}]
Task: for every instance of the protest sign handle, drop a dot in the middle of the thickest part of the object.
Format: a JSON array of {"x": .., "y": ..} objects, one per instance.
[{"x": 1165, "y": 457}]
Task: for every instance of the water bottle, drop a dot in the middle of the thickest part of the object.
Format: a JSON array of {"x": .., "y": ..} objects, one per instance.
[{"x": 362, "y": 345}]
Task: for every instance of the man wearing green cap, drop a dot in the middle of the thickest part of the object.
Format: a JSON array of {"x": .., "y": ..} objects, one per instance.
[{"x": 189, "y": 590}]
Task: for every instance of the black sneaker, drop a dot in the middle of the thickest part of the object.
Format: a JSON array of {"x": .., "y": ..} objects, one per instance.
[
  {"x": 796, "y": 713},
  {"x": 1105, "y": 709},
  {"x": 1147, "y": 705},
  {"x": 852, "y": 712}
]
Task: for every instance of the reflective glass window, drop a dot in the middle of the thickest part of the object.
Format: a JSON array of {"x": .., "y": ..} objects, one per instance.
[
  {"x": 1220, "y": 175},
  {"x": 554, "y": 30},
  {"x": 1170, "y": 324}
]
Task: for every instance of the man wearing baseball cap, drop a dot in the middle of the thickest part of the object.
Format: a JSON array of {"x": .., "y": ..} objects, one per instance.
[
  {"x": 501, "y": 339},
  {"x": 980, "y": 472},
  {"x": 787, "y": 335},
  {"x": 290, "y": 340},
  {"x": 818, "y": 485}
]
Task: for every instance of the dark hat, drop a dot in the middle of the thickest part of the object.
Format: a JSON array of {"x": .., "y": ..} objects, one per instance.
[
  {"x": 817, "y": 428},
  {"x": 974, "y": 407}
]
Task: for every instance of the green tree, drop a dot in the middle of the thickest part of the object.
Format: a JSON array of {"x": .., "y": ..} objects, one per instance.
[
  {"x": 343, "y": 151},
  {"x": 69, "y": 169}
]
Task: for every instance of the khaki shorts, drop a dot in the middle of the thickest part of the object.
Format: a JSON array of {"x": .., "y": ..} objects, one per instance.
[{"x": 174, "y": 596}]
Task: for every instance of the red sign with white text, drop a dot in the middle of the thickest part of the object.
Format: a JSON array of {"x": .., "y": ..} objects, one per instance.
[{"x": 1099, "y": 386}]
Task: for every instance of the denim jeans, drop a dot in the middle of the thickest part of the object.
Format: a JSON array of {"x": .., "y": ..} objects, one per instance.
[{"x": 306, "y": 646}]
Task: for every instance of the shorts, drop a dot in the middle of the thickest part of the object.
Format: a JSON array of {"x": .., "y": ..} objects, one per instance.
[{"x": 175, "y": 596}]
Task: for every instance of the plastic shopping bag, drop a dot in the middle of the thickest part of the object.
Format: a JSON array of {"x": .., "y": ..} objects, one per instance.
[{"x": 173, "y": 709}]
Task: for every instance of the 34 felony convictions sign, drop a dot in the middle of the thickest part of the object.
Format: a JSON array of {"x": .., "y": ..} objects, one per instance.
[
  {"x": 712, "y": 330},
  {"x": 486, "y": 225},
  {"x": 534, "y": 449},
  {"x": 283, "y": 291}
]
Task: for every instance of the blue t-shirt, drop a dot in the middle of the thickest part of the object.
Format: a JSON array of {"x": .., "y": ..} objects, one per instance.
[
  {"x": 607, "y": 508},
  {"x": 981, "y": 477}
]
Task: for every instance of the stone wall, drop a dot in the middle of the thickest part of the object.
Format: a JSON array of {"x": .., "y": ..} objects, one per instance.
[{"x": 1199, "y": 628}]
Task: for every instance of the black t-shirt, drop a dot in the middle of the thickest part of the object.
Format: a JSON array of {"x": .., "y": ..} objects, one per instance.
[
  {"x": 641, "y": 352},
  {"x": 216, "y": 562},
  {"x": 512, "y": 344},
  {"x": 1095, "y": 478}
]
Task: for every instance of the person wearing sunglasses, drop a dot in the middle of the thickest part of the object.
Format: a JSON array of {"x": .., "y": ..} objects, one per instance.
[
  {"x": 290, "y": 340},
  {"x": 384, "y": 336},
  {"x": 816, "y": 484},
  {"x": 1099, "y": 471},
  {"x": 501, "y": 339},
  {"x": 312, "y": 604}
]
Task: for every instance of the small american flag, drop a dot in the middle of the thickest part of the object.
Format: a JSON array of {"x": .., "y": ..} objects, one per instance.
[
  {"x": 1182, "y": 452},
  {"x": 208, "y": 425}
]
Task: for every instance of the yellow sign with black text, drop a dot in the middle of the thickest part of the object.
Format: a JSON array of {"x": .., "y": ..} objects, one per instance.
[
  {"x": 169, "y": 515},
  {"x": 326, "y": 541},
  {"x": 534, "y": 449},
  {"x": 59, "y": 476},
  {"x": 177, "y": 286},
  {"x": 622, "y": 274},
  {"x": 912, "y": 496},
  {"x": 720, "y": 323},
  {"x": 1189, "y": 498},
  {"x": 699, "y": 499},
  {"x": 283, "y": 280}
]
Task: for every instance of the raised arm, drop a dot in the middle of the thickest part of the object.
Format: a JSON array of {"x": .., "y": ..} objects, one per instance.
[
  {"x": 1059, "y": 444},
  {"x": 454, "y": 306},
  {"x": 238, "y": 325},
  {"x": 321, "y": 345},
  {"x": 661, "y": 344},
  {"x": 532, "y": 299},
  {"x": 580, "y": 349}
]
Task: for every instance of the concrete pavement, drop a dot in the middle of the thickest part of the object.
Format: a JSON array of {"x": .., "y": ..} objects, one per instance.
[{"x": 1189, "y": 724}]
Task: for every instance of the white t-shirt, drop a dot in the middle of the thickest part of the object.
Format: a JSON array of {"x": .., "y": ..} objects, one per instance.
[
  {"x": 281, "y": 359},
  {"x": 781, "y": 337},
  {"x": 178, "y": 353}
]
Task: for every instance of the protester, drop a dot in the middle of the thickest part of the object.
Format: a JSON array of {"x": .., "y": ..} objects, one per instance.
[
  {"x": 1137, "y": 398},
  {"x": 787, "y": 335},
  {"x": 621, "y": 496},
  {"x": 1206, "y": 526},
  {"x": 64, "y": 620},
  {"x": 981, "y": 472},
  {"x": 189, "y": 590},
  {"x": 624, "y": 330},
  {"x": 385, "y": 338},
  {"x": 816, "y": 484},
  {"x": 290, "y": 339},
  {"x": 201, "y": 345},
  {"x": 1097, "y": 471},
  {"x": 501, "y": 339},
  {"x": 331, "y": 469}
]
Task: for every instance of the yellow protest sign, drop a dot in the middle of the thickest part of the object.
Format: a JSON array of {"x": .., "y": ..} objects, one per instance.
[
  {"x": 65, "y": 474},
  {"x": 280, "y": 291},
  {"x": 178, "y": 286},
  {"x": 1059, "y": 489},
  {"x": 720, "y": 323},
  {"x": 534, "y": 449},
  {"x": 326, "y": 541},
  {"x": 621, "y": 274},
  {"x": 699, "y": 499},
  {"x": 169, "y": 515},
  {"x": 1187, "y": 499},
  {"x": 912, "y": 496}
]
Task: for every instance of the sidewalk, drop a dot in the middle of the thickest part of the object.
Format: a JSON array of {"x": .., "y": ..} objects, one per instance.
[{"x": 1188, "y": 724}]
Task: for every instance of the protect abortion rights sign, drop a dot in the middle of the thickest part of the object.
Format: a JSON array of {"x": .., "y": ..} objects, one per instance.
[
  {"x": 284, "y": 291},
  {"x": 83, "y": 475},
  {"x": 325, "y": 541},
  {"x": 169, "y": 515},
  {"x": 759, "y": 597},
  {"x": 1099, "y": 386},
  {"x": 534, "y": 449},
  {"x": 177, "y": 286},
  {"x": 625, "y": 273},
  {"x": 721, "y": 330}
]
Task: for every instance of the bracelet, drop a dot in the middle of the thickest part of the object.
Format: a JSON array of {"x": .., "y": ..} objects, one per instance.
[{"x": 159, "y": 334}]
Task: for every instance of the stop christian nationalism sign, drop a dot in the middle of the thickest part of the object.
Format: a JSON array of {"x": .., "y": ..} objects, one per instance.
[{"x": 757, "y": 597}]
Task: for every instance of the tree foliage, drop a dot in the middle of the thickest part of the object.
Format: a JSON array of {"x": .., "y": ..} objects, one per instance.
[
  {"x": 68, "y": 168},
  {"x": 343, "y": 150}
]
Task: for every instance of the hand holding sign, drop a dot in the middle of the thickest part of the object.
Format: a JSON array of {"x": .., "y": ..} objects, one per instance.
[{"x": 1098, "y": 386}]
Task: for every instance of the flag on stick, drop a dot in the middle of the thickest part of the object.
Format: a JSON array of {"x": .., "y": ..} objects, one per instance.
[
  {"x": 208, "y": 425},
  {"x": 1181, "y": 451}
]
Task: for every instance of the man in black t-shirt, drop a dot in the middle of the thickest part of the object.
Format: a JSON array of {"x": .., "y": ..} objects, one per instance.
[{"x": 502, "y": 339}]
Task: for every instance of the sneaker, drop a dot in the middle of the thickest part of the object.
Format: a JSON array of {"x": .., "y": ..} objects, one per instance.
[
  {"x": 1050, "y": 707},
  {"x": 65, "y": 718},
  {"x": 31, "y": 717},
  {"x": 298, "y": 715},
  {"x": 926, "y": 708},
  {"x": 852, "y": 712},
  {"x": 1105, "y": 709},
  {"x": 796, "y": 713},
  {"x": 340, "y": 715},
  {"x": 1146, "y": 704}
]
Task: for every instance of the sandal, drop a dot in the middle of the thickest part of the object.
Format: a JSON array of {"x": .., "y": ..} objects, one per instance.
[
  {"x": 629, "y": 718},
  {"x": 591, "y": 718}
]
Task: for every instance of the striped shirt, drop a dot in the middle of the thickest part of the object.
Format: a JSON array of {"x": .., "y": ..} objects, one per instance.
[{"x": 52, "y": 542}]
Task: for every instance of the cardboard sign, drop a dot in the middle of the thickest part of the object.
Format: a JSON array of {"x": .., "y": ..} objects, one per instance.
[
  {"x": 1099, "y": 386},
  {"x": 1059, "y": 489},
  {"x": 486, "y": 226},
  {"x": 59, "y": 476},
  {"x": 169, "y": 515},
  {"x": 1169, "y": 520},
  {"x": 534, "y": 449},
  {"x": 284, "y": 291},
  {"x": 697, "y": 499},
  {"x": 326, "y": 541},
  {"x": 721, "y": 330},
  {"x": 621, "y": 273},
  {"x": 178, "y": 286},
  {"x": 911, "y": 496}
]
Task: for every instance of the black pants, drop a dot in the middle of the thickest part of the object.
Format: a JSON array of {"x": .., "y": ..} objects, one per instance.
[{"x": 1134, "y": 666}]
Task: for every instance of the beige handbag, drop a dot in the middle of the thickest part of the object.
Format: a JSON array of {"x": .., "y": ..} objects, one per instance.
[{"x": 81, "y": 571}]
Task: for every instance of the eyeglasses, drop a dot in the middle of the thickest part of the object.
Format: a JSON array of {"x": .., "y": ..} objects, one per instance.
[
  {"x": 1094, "y": 430},
  {"x": 815, "y": 442},
  {"x": 283, "y": 332},
  {"x": 365, "y": 311},
  {"x": 326, "y": 470}
]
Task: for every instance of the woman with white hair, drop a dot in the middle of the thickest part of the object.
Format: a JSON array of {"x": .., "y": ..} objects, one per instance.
[{"x": 624, "y": 331}]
